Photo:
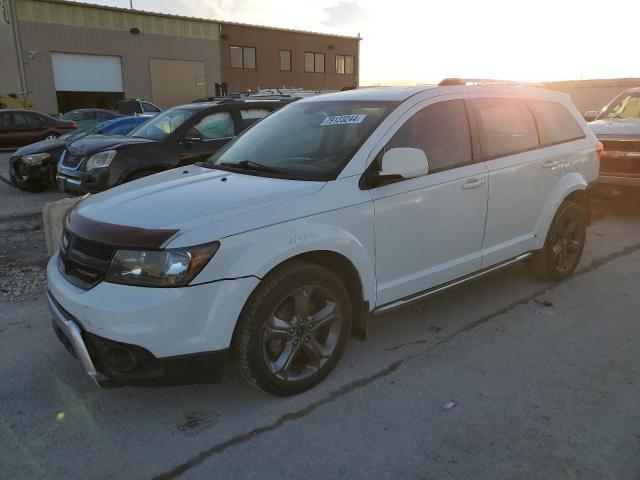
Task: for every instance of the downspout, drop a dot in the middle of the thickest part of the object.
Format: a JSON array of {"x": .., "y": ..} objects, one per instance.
[
  {"x": 357, "y": 67},
  {"x": 17, "y": 42}
]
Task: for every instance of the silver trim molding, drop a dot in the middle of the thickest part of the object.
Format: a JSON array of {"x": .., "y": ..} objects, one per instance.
[{"x": 432, "y": 291}]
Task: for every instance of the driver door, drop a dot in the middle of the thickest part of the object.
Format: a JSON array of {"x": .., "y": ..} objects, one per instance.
[
  {"x": 429, "y": 229},
  {"x": 215, "y": 131}
]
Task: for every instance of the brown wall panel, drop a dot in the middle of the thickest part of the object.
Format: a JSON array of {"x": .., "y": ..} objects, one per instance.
[{"x": 268, "y": 44}]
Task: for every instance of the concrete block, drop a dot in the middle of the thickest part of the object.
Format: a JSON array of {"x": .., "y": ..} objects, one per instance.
[{"x": 53, "y": 216}]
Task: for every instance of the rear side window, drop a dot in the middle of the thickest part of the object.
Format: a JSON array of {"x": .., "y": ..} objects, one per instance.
[
  {"x": 251, "y": 116},
  {"x": 23, "y": 119},
  {"x": 441, "y": 131},
  {"x": 506, "y": 127},
  {"x": 556, "y": 124},
  {"x": 5, "y": 120},
  {"x": 148, "y": 107}
]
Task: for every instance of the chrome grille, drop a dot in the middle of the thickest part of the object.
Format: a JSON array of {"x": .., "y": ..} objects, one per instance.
[{"x": 70, "y": 160}]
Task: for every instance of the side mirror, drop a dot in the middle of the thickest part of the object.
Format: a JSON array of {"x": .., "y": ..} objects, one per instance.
[
  {"x": 404, "y": 163},
  {"x": 192, "y": 136},
  {"x": 590, "y": 115}
]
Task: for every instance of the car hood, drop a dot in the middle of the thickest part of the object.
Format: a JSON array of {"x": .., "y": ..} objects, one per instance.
[
  {"x": 616, "y": 126},
  {"x": 97, "y": 143},
  {"x": 190, "y": 197},
  {"x": 40, "y": 147}
]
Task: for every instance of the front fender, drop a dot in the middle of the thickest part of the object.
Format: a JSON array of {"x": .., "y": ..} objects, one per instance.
[
  {"x": 348, "y": 232},
  {"x": 569, "y": 183}
]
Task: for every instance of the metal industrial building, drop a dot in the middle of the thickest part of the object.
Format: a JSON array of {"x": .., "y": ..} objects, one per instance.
[{"x": 70, "y": 55}]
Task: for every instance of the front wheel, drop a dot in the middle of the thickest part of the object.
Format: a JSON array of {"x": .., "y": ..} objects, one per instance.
[
  {"x": 564, "y": 244},
  {"x": 293, "y": 329}
]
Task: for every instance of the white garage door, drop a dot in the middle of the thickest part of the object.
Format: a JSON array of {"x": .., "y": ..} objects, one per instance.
[{"x": 86, "y": 73}]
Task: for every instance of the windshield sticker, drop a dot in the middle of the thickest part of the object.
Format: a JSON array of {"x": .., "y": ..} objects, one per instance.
[{"x": 343, "y": 119}]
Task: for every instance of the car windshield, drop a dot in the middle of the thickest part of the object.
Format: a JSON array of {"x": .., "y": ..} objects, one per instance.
[
  {"x": 163, "y": 125},
  {"x": 625, "y": 106},
  {"x": 306, "y": 141}
]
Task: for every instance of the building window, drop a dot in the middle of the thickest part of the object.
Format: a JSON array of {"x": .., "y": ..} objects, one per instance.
[
  {"x": 242, "y": 57},
  {"x": 285, "y": 60},
  {"x": 314, "y": 62},
  {"x": 345, "y": 64}
]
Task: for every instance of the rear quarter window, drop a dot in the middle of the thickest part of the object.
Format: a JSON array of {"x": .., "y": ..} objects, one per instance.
[
  {"x": 506, "y": 127},
  {"x": 556, "y": 124}
]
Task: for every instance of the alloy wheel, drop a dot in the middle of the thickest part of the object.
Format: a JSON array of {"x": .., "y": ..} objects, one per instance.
[
  {"x": 567, "y": 242},
  {"x": 301, "y": 334}
]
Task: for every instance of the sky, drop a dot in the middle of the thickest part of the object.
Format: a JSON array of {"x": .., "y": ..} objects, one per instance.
[{"x": 408, "y": 42}]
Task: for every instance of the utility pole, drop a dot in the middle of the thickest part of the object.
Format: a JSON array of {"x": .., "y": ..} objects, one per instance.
[{"x": 131, "y": 4}]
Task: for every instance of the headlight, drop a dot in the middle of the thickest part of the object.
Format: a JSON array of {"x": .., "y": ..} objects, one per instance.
[
  {"x": 174, "y": 267},
  {"x": 100, "y": 159},
  {"x": 34, "y": 159}
]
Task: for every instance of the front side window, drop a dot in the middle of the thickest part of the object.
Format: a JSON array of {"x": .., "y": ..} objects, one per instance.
[
  {"x": 72, "y": 116},
  {"x": 162, "y": 125},
  {"x": 314, "y": 62},
  {"x": 556, "y": 124},
  {"x": 215, "y": 126},
  {"x": 506, "y": 127},
  {"x": 242, "y": 57},
  {"x": 345, "y": 64},
  {"x": 307, "y": 140},
  {"x": 441, "y": 131},
  {"x": 285, "y": 60},
  {"x": 624, "y": 106}
]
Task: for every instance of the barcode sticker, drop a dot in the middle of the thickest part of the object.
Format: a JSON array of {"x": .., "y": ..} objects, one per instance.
[{"x": 343, "y": 119}]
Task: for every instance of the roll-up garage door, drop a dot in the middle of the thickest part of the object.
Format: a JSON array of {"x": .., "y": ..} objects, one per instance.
[
  {"x": 86, "y": 73},
  {"x": 86, "y": 81}
]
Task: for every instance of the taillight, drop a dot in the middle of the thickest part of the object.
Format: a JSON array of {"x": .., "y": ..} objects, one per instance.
[{"x": 600, "y": 150}]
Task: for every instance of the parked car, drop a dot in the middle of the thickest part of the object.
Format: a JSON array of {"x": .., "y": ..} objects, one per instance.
[
  {"x": 89, "y": 117},
  {"x": 618, "y": 128},
  {"x": 330, "y": 210},
  {"x": 179, "y": 136},
  {"x": 137, "y": 107},
  {"x": 22, "y": 127},
  {"x": 34, "y": 166}
]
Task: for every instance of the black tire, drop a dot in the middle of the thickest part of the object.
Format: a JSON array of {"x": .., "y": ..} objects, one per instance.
[
  {"x": 279, "y": 358},
  {"x": 564, "y": 244},
  {"x": 51, "y": 136}
]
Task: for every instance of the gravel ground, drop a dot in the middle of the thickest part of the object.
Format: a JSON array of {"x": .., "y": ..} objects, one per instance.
[{"x": 506, "y": 377}]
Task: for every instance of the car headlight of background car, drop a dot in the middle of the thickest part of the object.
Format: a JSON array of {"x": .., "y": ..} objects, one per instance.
[
  {"x": 34, "y": 159},
  {"x": 173, "y": 267},
  {"x": 100, "y": 159}
]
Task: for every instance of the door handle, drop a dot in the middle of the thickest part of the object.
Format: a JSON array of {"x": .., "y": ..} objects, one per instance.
[
  {"x": 473, "y": 183},
  {"x": 551, "y": 164}
]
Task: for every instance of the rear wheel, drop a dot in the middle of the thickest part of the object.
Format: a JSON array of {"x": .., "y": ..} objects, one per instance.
[
  {"x": 51, "y": 136},
  {"x": 564, "y": 244},
  {"x": 293, "y": 329}
]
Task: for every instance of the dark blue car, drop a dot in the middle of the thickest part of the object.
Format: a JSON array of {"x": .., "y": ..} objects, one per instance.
[{"x": 33, "y": 167}]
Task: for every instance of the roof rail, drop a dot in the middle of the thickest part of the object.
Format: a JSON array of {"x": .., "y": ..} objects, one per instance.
[{"x": 447, "y": 82}]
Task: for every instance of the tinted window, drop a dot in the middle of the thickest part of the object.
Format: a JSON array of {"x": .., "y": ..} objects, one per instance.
[
  {"x": 506, "y": 127},
  {"x": 556, "y": 124},
  {"x": 441, "y": 131},
  {"x": 217, "y": 125},
  {"x": 148, "y": 107},
  {"x": 22, "y": 119},
  {"x": 251, "y": 116},
  {"x": 5, "y": 120},
  {"x": 624, "y": 106}
]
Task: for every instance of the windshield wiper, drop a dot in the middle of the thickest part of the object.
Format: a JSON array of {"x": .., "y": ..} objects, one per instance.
[{"x": 250, "y": 165}]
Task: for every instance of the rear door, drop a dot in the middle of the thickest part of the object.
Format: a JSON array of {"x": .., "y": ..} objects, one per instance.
[
  {"x": 521, "y": 176},
  {"x": 249, "y": 116}
]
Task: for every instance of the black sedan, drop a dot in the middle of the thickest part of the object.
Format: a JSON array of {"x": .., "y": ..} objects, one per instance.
[{"x": 179, "y": 136}]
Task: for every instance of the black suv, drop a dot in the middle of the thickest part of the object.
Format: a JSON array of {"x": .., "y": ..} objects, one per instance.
[{"x": 179, "y": 136}]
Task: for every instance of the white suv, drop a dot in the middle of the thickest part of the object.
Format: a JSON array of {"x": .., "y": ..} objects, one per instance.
[{"x": 326, "y": 212}]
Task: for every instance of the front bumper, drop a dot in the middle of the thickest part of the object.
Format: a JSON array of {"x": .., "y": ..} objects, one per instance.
[
  {"x": 73, "y": 185},
  {"x": 170, "y": 332},
  {"x": 111, "y": 364}
]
